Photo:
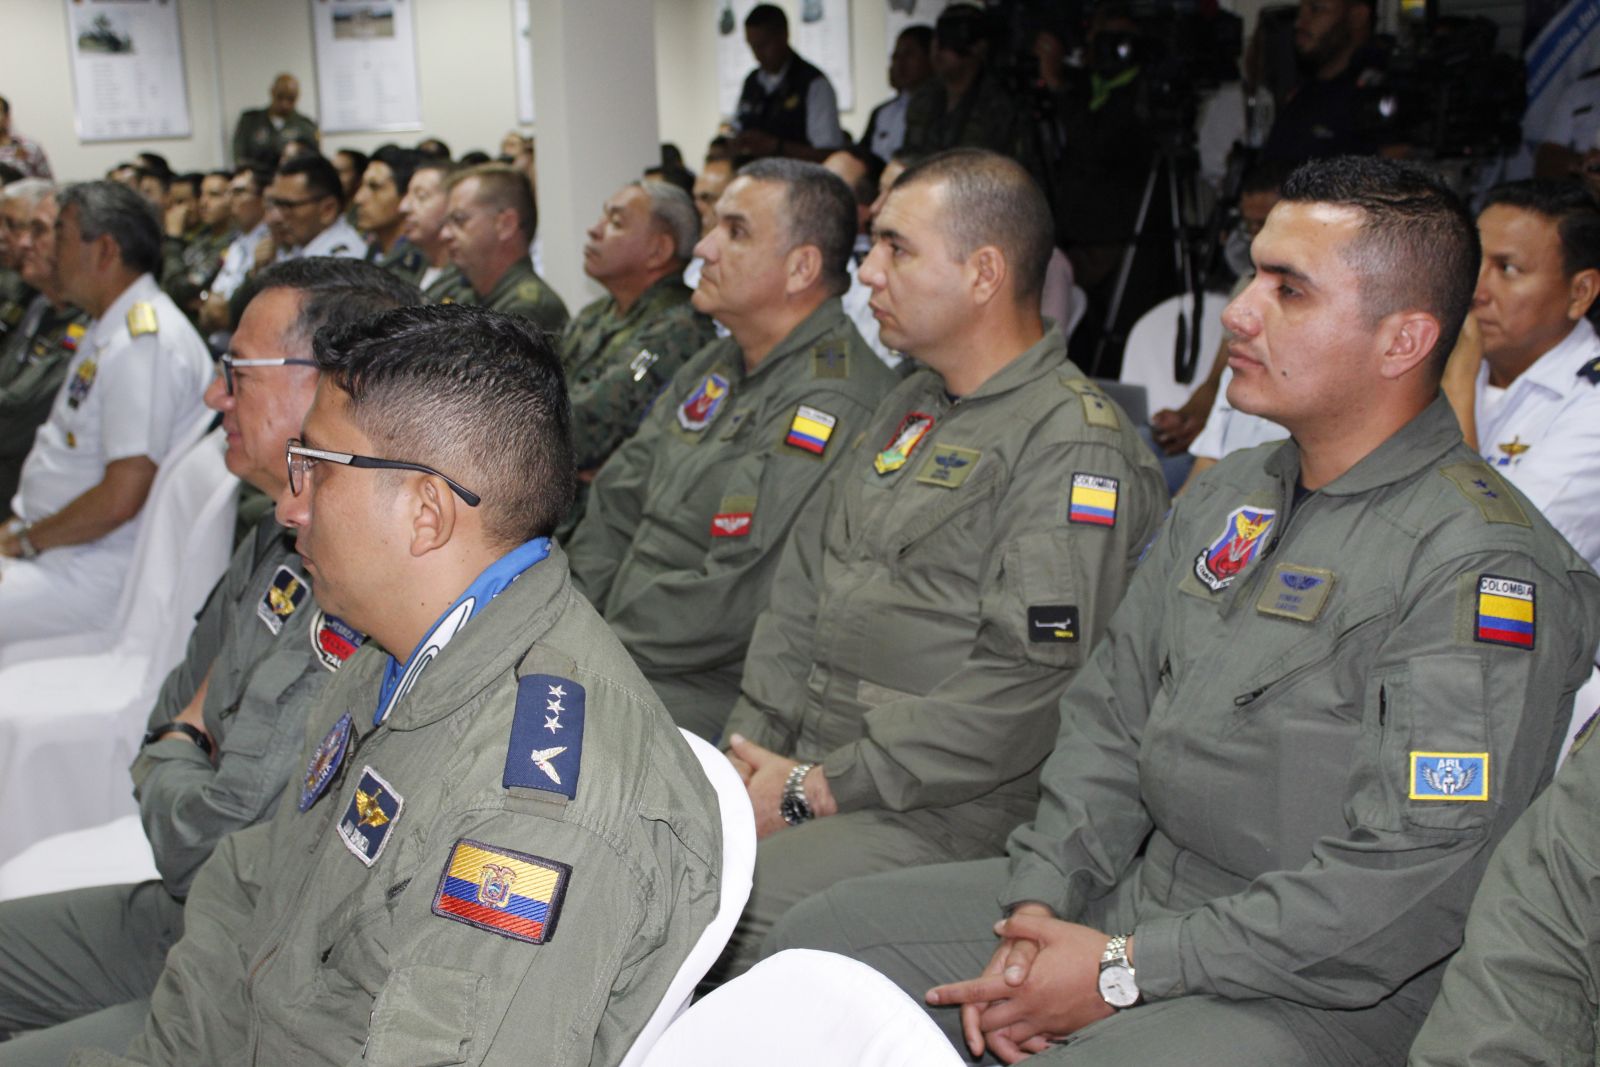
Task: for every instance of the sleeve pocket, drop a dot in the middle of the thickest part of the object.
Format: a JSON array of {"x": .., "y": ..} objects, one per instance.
[
  {"x": 426, "y": 1016},
  {"x": 1039, "y": 612}
]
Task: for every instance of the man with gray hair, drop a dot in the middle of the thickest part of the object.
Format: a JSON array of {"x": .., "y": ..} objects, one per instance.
[
  {"x": 623, "y": 349},
  {"x": 132, "y": 398},
  {"x": 683, "y": 528}
]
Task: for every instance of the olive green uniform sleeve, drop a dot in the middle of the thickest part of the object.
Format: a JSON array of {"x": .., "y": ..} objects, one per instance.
[
  {"x": 1525, "y": 987},
  {"x": 521, "y": 292}
]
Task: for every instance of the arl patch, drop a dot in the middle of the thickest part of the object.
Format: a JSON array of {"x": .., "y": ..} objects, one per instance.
[
  {"x": 1295, "y": 592},
  {"x": 1449, "y": 776},
  {"x": 810, "y": 430},
  {"x": 325, "y": 762},
  {"x": 371, "y": 817},
  {"x": 286, "y": 593},
  {"x": 546, "y": 748},
  {"x": 1504, "y": 612},
  {"x": 1093, "y": 500},
  {"x": 1055, "y": 623},
  {"x": 334, "y": 640},
  {"x": 508, "y": 893},
  {"x": 142, "y": 320},
  {"x": 1220, "y": 562},
  {"x": 702, "y": 405},
  {"x": 913, "y": 428},
  {"x": 949, "y": 466},
  {"x": 81, "y": 382}
]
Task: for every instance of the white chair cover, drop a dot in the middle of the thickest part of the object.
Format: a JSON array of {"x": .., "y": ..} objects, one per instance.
[
  {"x": 803, "y": 1008},
  {"x": 1147, "y": 359},
  {"x": 114, "y": 853}
]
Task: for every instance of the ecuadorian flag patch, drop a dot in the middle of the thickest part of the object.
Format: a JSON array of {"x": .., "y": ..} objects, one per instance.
[
  {"x": 1449, "y": 776},
  {"x": 1094, "y": 500},
  {"x": 1505, "y": 611},
  {"x": 508, "y": 893},
  {"x": 810, "y": 429}
]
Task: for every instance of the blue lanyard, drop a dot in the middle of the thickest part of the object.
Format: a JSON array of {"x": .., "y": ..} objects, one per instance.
[{"x": 398, "y": 678}]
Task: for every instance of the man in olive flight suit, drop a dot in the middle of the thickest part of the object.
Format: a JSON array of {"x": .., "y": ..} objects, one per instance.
[
  {"x": 1340, "y": 673},
  {"x": 227, "y": 729},
  {"x": 956, "y": 571},
  {"x": 684, "y": 524},
  {"x": 34, "y": 356},
  {"x": 191, "y": 261},
  {"x": 16, "y": 203},
  {"x": 503, "y": 848},
  {"x": 490, "y": 221}
]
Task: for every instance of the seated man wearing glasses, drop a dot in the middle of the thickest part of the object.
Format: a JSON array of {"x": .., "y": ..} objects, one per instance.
[
  {"x": 305, "y": 212},
  {"x": 226, "y": 730},
  {"x": 502, "y": 847}
]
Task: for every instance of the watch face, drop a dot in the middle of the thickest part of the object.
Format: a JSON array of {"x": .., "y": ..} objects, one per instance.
[
  {"x": 1118, "y": 988},
  {"x": 794, "y": 811}
]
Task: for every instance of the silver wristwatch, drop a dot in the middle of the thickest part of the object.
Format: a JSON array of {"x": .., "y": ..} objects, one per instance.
[
  {"x": 794, "y": 807},
  {"x": 1117, "y": 985}
]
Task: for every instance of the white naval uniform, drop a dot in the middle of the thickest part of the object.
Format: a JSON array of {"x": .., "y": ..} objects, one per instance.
[
  {"x": 1228, "y": 430},
  {"x": 341, "y": 240},
  {"x": 1543, "y": 434},
  {"x": 237, "y": 260},
  {"x": 124, "y": 396}
]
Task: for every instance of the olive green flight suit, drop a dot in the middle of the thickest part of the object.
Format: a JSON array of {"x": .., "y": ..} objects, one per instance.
[
  {"x": 405, "y": 260},
  {"x": 15, "y": 296},
  {"x": 189, "y": 263},
  {"x": 520, "y": 291},
  {"x": 1285, "y": 766},
  {"x": 685, "y": 522},
  {"x": 1525, "y": 987},
  {"x": 300, "y": 949},
  {"x": 450, "y": 287},
  {"x": 33, "y": 364},
  {"x": 257, "y": 140},
  {"x": 82, "y": 963},
  {"x": 925, "y": 620}
]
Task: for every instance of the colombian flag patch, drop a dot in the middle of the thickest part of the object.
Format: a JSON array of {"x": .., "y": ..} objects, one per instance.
[
  {"x": 1505, "y": 611},
  {"x": 810, "y": 429},
  {"x": 1093, "y": 500},
  {"x": 508, "y": 893}
]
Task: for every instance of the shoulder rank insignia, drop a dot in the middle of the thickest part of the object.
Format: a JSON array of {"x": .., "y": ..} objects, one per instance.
[
  {"x": 1093, "y": 500},
  {"x": 913, "y": 428},
  {"x": 508, "y": 893},
  {"x": 1220, "y": 562},
  {"x": 74, "y": 334},
  {"x": 81, "y": 382},
  {"x": 1504, "y": 612},
  {"x": 697, "y": 412},
  {"x": 1591, "y": 371},
  {"x": 546, "y": 746},
  {"x": 1449, "y": 776},
  {"x": 1097, "y": 407},
  {"x": 830, "y": 362},
  {"x": 142, "y": 319},
  {"x": 530, "y": 291},
  {"x": 1296, "y": 592},
  {"x": 371, "y": 817},
  {"x": 281, "y": 599},
  {"x": 325, "y": 762},
  {"x": 1479, "y": 483},
  {"x": 948, "y": 466},
  {"x": 810, "y": 430},
  {"x": 333, "y": 639},
  {"x": 1053, "y": 623},
  {"x": 734, "y": 517}
]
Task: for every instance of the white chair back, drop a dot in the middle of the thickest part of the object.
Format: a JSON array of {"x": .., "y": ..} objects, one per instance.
[
  {"x": 1147, "y": 359},
  {"x": 738, "y": 871},
  {"x": 846, "y": 1014}
]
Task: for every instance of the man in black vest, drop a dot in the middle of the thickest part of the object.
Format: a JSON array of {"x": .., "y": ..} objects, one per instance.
[{"x": 787, "y": 106}]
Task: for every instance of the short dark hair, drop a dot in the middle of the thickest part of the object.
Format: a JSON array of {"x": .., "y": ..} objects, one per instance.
[
  {"x": 335, "y": 290},
  {"x": 154, "y": 161},
  {"x": 767, "y": 17},
  {"x": 260, "y": 176},
  {"x": 164, "y": 177},
  {"x": 920, "y": 35},
  {"x": 1267, "y": 176},
  {"x": 192, "y": 179},
  {"x": 1417, "y": 246},
  {"x": 819, "y": 210},
  {"x": 321, "y": 178},
  {"x": 433, "y": 148},
  {"x": 990, "y": 199},
  {"x": 474, "y": 158},
  {"x": 107, "y": 207},
  {"x": 502, "y": 186},
  {"x": 402, "y": 163},
  {"x": 474, "y": 393},
  {"x": 357, "y": 157},
  {"x": 1565, "y": 203}
]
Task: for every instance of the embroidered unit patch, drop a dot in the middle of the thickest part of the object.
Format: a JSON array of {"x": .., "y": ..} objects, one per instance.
[
  {"x": 1220, "y": 562},
  {"x": 546, "y": 747},
  {"x": 948, "y": 466},
  {"x": 1054, "y": 623},
  {"x": 512, "y": 894},
  {"x": 371, "y": 817},
  {"x": 325, "y": 762},
  {"x": 1449, "y": 776},
  {"x": 333, "y": 639},
  {"x": 1093, "y": 500},
  {"x": 731, "y": 524},
  {"x": 696, "y": 413},
  {"x": 81, "y": 382},
  {"x": 1296, "y": 592},
  {"x": 810, "y": 429},
  {"x": 282, "y": 598},
  {"x": 1505, "y": 611},
  {"x": 913, "y": 428}
]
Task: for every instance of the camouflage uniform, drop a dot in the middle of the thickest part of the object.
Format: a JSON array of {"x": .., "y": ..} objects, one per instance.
[
  {"x": 15, "y": 296},
  {"x": 520, "y": 291},
  {"x": 33, "y": 362},
  {"x": 985, "y": 117},
  {"x": 405, "y": 260},
  {"x": 189, "y": 263},
  {"x": 450, "y": 287}
]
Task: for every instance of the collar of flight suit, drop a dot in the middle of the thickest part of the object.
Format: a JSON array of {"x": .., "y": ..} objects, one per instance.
[
  {"x": 519, "y": 272},
  {"x": 1416, "y": 446},
  {"x": 1045, "y": 356},
  {"x": 491, "y": 645},
  {"x": 826, "y": 316}
]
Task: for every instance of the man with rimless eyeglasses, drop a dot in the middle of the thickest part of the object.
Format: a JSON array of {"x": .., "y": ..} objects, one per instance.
[{"x": 501, "y": 846}]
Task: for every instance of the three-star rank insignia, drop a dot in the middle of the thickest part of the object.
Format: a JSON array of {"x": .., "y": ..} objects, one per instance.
[
  {"x": 512, "y": 894},
  {"x": 334, "y": 640},
  {"x": 81, "y": 382},
  {"x": 325, "y": 762},
  {"x": 546, "y": 747},
  {"x": 371, "y": 817},
  {"x": 1449, "y": 776},
  {"x": 282, "y": 598},
  {"x": 912, "y": 429},
  {"x": 142, "y": 319}
]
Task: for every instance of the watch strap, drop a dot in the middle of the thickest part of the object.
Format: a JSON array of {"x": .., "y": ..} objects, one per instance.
[
  {"x": 794, "y": 807},
  {"x": 192, "y": 733}
]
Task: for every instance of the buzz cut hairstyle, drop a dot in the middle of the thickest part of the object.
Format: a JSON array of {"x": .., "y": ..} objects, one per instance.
[
  {"x": 502, "y": 186},
  {"x": 1417, "y": 246},
  {"x": 990, "y": 199},
  {"x": 820, "y": 210},
  {"x": 334, "y": 291},
  {"x": 1565, "y": 203},
  {"x": 767, "y": 17},
  {"x": 673, "y": 213},
  {"x": 475, "y": 394}
]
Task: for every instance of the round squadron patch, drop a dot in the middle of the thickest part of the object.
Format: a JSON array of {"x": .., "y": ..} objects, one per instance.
[{"x": 325, "y": 762}]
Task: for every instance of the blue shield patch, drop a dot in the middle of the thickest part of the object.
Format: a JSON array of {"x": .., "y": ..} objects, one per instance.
[
  {"x": 371, "y": 817},
  {"x": 325, "y": 762},
  {"x": 702, "y": 405},
  {"x": 282, "y": 598},
  {"x": 546, "y": 746}
]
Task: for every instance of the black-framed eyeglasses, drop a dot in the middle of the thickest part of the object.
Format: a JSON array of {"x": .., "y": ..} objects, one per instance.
[
  {"x": 301, "y": 459},
  {"x": 228, "y": 362},
  {"x": 284, "y": 203}
]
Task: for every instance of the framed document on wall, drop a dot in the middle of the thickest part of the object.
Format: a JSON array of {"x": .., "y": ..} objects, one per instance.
[
  {"x": 127, "y": 69},
  {"x": 366, "y": 53}
]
